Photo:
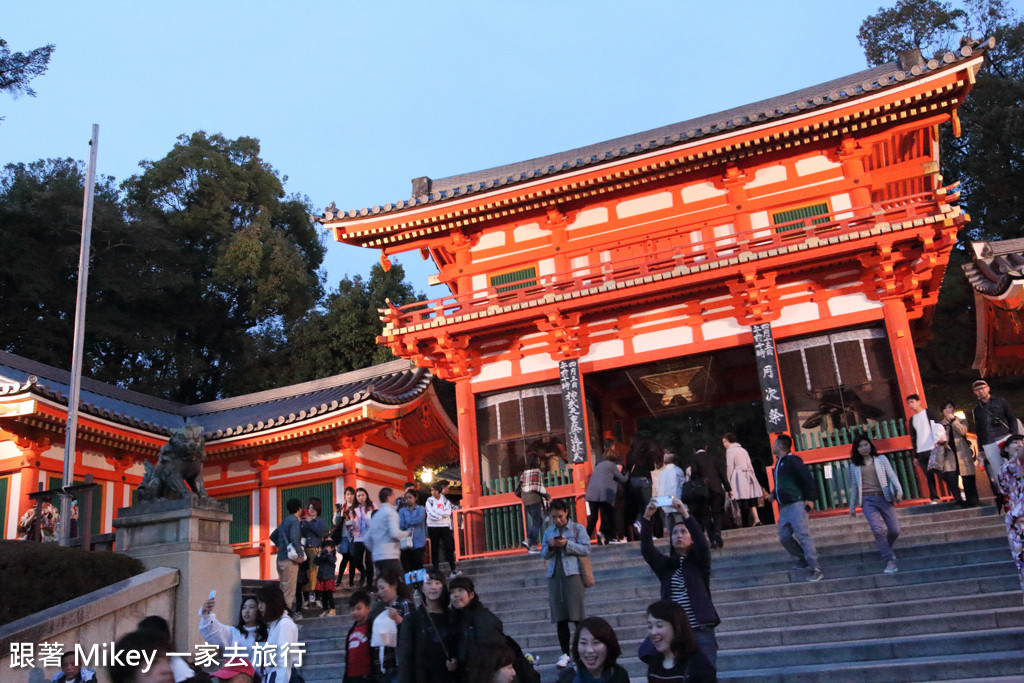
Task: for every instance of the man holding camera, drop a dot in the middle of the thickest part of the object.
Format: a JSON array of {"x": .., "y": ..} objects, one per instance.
[{"x": 795, "y": 491}]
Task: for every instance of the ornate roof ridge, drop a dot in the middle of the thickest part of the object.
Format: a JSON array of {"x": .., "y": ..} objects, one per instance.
[{"x": 704, "y": 127}]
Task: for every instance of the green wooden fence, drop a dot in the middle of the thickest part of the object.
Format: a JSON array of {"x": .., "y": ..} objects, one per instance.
[
  {"x": 833, "y": 491},
  {"x": 508, "y": 484},
  {"x": 504, "y": 527},
  {"x": 887, "y": 429}
]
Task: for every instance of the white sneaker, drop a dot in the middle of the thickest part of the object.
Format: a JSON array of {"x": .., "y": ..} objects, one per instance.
[
  {"x": 563, "y": 661},
  {"x": 890, "y": 568},
  {"x": 616, "y": 541}
]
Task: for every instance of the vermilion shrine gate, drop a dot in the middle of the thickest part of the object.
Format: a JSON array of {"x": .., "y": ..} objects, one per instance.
[{"x": 647, "y": 260}]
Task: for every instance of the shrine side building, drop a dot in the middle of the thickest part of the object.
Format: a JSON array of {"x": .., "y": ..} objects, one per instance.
[
  {"x": 369, "y": 428},
  {"x": 644, "y": 264}
]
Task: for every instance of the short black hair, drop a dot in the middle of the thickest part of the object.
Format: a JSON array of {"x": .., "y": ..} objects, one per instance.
[
  {"x": 293, "y": 505},
  {"x": 730, "y": 437},
  {"x": 65, "y": 656},
  {"x": 137, "y": 641},
  {"x": 359, "y": 598},
  {"x": 913, "y": 397},
  {"x": 384, "y": 494},
  {"x": 559, "y": 504},
  {"x": 157, "y": 624},
  {"x": 785, "y": 440}
]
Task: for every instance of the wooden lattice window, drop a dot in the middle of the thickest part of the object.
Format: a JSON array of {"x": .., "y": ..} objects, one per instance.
[
  {"x": 516, "y": 279},
  {"x": 797, "y": 218},
  {"x": 240, "y": 508}
]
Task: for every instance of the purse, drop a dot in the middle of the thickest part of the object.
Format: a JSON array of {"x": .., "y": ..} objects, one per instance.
[
  {"x": 694, "y": 491},
  {"x": 937, "y": 457},
  {"x": 294, "y": 555},
  {"x": 586, "y": 571}
]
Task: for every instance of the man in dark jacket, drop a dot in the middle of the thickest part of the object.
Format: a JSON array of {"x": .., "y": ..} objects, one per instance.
[
  {"x": 993, "y": 421},
  {"x": 685, "y": 573},
  {"x": 795, "y": 491},
  {"x": 711, "y": 470}
]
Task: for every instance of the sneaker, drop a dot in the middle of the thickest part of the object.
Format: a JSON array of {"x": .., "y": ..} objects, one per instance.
[
  {"x": 890, "y": 568},
  {"x": 533, "y": 551},
  {"x": 525, "y": 544},
  {"x": 934, "y": 502},
  {"x": 638, "y": 527},
  {"x": 816, "y": 575},
  {"x": 600, "y": 539},
  {"x": 617, "y": 541},
  {"x": 563, "y": 661},
  {"x": 454, "y": 574}
]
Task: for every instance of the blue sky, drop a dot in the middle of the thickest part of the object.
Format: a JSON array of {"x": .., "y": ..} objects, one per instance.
[{"x": 353, "y": 100}]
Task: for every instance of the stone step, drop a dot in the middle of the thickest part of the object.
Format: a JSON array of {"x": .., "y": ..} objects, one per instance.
[
  {"x": 837, "y": 537},
  {"x": 735, "y": 573}
]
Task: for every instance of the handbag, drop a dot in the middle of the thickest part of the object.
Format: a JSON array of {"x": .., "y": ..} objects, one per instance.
[
  {"x": 694, "y": 491},
  {"x": 586, "y": 571},
  {"x": 294, "y": 555},
  {"x": 937, "y": 457}
]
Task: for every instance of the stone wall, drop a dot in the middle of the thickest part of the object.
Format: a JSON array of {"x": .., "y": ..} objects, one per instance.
[{"x": 97, "y": 618}]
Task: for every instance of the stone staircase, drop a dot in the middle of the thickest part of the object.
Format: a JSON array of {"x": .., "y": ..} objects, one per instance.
[{"x": 953, "y": 612}]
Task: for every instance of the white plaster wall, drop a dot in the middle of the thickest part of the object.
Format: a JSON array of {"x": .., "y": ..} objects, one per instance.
[
  {"x": 106, "y": 524},
  {"x": 641, "y": 205},
  {"x": 851, "y": 303},
  {"x": 726, "y": 327},
  {"x": 96, "y": 461},
  {"x": 9, "y": 450},
  {"x": 662, "y": 339},
  {"x": 767, "y": 175},
  {"x": 238, "y": 469},
  {"x": 815, "y": 165},
  {"x": 701, "y": 191},
  {"x": 250, "y": 567},
  {"x": 495, "y": 370},
  {"x": 613, "y": 348},
  {"x": 489, "y": 240},
  {"x": 479, "y": 282},
  {"x": 840, "y": 202},
  {"x": 12, "y": 505},
  {"x": 529, "y": 231},
  {"x": 537, "y": 362},
  {"x": 589, "y": 217},
  {"x": 546, "y": 267},
  {"x": 798, "y": 313}
]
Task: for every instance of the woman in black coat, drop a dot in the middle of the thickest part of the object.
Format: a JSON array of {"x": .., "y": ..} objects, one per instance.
[
  {"x": 474, "y": 623},
  {"x": 427, "y": 641}
]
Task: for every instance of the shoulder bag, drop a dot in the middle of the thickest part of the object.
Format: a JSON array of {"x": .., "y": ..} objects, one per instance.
[{"x": 586, "y": 567}]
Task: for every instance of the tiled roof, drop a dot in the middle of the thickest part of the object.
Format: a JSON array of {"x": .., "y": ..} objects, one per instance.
[
  {"x": 704, "y": 127},
  {"x": 996, "y": 266},
  {"x": 392, "y": 383}
]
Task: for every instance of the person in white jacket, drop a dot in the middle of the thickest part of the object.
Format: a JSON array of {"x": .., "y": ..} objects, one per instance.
[
  {"x": 439, "y": 527},
  {"x": 282, "y": 651},
  {"x": 236, "y": 640}
]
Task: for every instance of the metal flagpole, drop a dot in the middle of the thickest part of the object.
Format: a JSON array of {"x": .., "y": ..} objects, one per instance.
[{"x": 71, "y": 431}]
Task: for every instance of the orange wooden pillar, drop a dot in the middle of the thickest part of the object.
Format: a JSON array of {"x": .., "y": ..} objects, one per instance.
[
  {"x": 904, "y": 358},
  {"x": 268, "y": 552},
  {"x": 475, "y": 533}
]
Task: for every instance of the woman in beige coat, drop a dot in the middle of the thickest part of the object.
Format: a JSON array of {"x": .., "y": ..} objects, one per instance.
[
  {"x": 960, "y": 458},
  {"x": 745, "y": 487}
]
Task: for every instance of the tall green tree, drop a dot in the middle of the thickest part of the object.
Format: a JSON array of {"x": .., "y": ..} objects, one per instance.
[
  {"x": 988, "y": 158},
  {"x": 341, "y": 334},
  {"x": 242, "y": 258},
  {"x": 40, "y": 234},
  {"x": 18, "y": 68}
]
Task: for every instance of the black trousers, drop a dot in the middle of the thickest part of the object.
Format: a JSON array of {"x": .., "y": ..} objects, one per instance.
[
  {"x": 931, "y": 477},
  {"x": 441, "y": 537},
  {"x": 607, "y": 513}
]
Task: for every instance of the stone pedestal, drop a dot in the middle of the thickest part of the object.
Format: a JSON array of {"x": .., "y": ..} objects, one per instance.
[{"x": 192, "y": 537}]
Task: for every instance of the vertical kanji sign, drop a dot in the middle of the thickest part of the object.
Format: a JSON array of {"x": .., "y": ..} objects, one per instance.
[
  {"x": 768, "y": 375},
  {"x": 572, "y": 404}
]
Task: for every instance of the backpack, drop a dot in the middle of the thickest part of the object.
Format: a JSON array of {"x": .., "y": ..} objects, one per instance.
[{"x": 525, "y": 673}]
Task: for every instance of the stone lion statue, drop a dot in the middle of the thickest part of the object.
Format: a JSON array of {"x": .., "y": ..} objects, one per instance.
[{"x": 179, "y": 466}]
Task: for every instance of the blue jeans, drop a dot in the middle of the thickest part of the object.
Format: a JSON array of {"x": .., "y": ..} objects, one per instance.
[
  {"x": 534, "y": 517},
  {"x": 707, "y": 644},
  {"x": 881, "y": 516},
  {"x": 795, "y": 535}
]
